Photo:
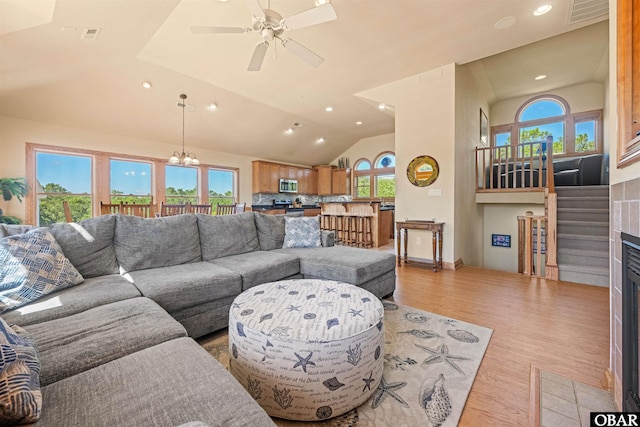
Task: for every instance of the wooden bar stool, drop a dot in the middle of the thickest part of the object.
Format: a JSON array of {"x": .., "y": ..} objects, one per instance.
[{"x": 363, "y": 214}]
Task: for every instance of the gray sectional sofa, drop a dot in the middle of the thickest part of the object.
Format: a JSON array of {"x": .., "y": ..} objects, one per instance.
[{"x": 118, "y": 348}]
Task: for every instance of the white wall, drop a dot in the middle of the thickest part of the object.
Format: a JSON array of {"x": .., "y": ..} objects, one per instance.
[
  {"x": 425, "y": 125},
  {"x": 468, "y": 214},
  {"x": 503, "y": 219},
  {"x": 14, "y": 133}
]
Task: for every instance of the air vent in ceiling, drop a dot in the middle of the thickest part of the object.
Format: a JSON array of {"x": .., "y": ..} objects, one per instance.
[
  {"x": 90, "y": 33},
  {"x": 584, "y": 10}
]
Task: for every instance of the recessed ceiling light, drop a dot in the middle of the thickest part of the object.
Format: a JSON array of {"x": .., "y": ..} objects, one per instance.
[
  {"x": 358, "y": 122},
  {"x": 381, "y": 106},
  {"x": 505, "y": 23},
  {"x": 289, "y": 131},
  {"x": 146, "y": 85},
  {"x": 542, "y": 10},
  {"x": 540, "y": 77},
  {"x": 321, "y": 2},
  {"x": 213, "y": 106},
  {"x": 319, "y": 140},
  {"x": 328, "y": 109}
]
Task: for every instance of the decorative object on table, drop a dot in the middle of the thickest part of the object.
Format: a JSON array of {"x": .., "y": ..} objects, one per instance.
[
  {"x": 184, "y": 158},
  {"x": 484, "y": 129},
  {"x": 424, "y": 354},
  {"x": 10, "y": 188},
  {"x": 423, "y": 171}
]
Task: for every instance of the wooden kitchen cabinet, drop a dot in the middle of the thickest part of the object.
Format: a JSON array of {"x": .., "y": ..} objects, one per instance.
[
  {"x": 266, "y": 177},
  {"x": 339, "y": 181},
  {"x": 324, "y": 179},
  {"x": 312, "y": 212}
]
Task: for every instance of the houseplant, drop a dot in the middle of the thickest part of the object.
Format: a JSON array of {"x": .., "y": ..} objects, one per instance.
[{"x": 10, "y": 187}]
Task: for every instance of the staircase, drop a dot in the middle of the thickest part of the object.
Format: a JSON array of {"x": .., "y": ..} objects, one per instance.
[{"x": 583, "y": 234}]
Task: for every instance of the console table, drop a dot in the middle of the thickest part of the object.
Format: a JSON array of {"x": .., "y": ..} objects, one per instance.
[{"x": 436, "y": 229}]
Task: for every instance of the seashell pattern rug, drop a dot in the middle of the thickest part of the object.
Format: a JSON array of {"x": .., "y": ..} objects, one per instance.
[{"x": 430, "y": 363}]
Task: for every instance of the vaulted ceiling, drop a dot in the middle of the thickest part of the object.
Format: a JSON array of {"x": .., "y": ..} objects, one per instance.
[{"x": 49, "y": 73}]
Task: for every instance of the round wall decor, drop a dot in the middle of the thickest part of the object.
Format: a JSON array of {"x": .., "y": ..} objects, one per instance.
[{"x": 423, "y": 171}]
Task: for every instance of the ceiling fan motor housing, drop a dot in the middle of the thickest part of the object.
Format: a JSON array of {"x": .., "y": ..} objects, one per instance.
[{"x": 271, "y": 22}]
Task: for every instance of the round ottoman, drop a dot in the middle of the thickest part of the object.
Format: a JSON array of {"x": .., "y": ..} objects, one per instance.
[{"x": 307, "y": 349}]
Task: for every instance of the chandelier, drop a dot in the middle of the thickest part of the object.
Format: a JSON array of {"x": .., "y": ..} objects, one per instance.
[{"x": 184, "y": 158}]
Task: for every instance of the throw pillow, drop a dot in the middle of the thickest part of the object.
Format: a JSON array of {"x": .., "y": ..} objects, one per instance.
[
  {"x": 301, "y": 232},
  {"x": 32, "y": 265},
  {"x": 20, "y": 395}
]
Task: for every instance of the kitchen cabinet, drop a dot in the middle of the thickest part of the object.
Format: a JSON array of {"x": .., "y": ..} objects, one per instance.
[
  {"x": 628, "y": 41},
  {"x": 312, "y": 212},
  {"x": 340, "y": 181},
  {"x": 265, "y": 177},
  {"x": 324, "y": 179},
  {"x": 305, "y": 184},
  {"x": 385, "y": 227}
]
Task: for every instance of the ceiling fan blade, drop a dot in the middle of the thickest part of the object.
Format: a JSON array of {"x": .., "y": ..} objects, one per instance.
[
  {"x": 302, "y": 52},
  {"x": 219, "y": 30},
  {"x": 258, "y": 57},
  {"x": 255, "y": 9},
  {"x": 314, "y": 16}
]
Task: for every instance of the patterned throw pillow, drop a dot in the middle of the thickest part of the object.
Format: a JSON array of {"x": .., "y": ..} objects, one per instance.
[
  {"x": 32, "y": 265},
  {"x": 20, "y": 395},
  {"x": 302, "y": 232}
]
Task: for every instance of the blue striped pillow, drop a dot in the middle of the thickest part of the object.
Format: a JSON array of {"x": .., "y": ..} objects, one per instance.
[
  {"x": 32, "y": 265},
  {"x": 20, "y": 395}
]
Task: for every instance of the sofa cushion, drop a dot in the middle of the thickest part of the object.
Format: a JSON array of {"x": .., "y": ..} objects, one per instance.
[
  {"x": 89, "y": 244},
  {"x": 225, "y": 235},
  {"x": 342, "y": 263},
  {"x": 20, "y": 395},
  {"x": 91, "y": 293},
  {"x": 270, "y": 231},
  {"x": 143, "y": 243},
  {"x": 32, "y": 265},
  {"x": 260, "y": 266},
  {"x": 566, "y": 177},
  {"x": 76, "y": 343},
  {"x": 181, "y": 286},
  {"x": 13, "y": 229},
  {"x": 165, "y": 385},
  {"x": 302, "y": 232}
]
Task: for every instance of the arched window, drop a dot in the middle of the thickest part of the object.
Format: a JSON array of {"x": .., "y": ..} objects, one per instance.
[
  {"x": 549, "y": 116},
  {"x": 379, "y": 181}
]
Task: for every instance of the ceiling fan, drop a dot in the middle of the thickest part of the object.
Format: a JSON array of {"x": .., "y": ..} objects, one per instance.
[{"x": 271, "y": 25}]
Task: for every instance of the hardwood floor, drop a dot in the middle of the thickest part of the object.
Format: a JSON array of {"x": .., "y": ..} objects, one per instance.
[{"x": 557, "y": 326}]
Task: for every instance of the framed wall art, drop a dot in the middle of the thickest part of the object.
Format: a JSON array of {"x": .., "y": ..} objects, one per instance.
[
  {"x": 484, "y": 129},
  {"x": 423, "y": 171}
]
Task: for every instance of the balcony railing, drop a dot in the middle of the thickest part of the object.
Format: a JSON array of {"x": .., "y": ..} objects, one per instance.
[{"x": 510, "y": 168}]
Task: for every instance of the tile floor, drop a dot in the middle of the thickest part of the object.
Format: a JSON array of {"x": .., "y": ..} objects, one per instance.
[{"x": 567, "y": 403}]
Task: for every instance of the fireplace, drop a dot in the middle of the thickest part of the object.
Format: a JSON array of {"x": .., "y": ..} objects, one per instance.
[{"x": 630, "y": 321}]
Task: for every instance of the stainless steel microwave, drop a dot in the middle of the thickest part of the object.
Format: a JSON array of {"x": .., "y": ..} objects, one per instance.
[{"x": 288, "y": 186}]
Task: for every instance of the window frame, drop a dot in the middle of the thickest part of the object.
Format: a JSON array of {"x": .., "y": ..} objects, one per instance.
[
  {"x": 101, "y": 176},
  {"x": 569, "y": 119},
  {"x": 372, "y": 173}
]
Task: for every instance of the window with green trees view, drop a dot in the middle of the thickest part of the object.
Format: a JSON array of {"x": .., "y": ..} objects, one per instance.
[
  {"x": 550, "y": 116},
  {"x": 86, "y": 178},
  {"x": 382, "y": 175},
  {"x": 61, "y": 177}
]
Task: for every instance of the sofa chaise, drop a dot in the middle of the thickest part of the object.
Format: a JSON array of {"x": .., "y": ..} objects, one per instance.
[{"x": 119, "y": 349}]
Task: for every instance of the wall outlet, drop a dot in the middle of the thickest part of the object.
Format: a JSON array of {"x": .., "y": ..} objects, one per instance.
[{"x": 418, "y": 241}]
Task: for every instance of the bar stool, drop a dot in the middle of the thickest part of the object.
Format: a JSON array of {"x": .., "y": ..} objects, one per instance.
[
  {"x": 334, "y": 213},
  {"x": 363, "y": 214},
  {"x": 349, "y": 227}
]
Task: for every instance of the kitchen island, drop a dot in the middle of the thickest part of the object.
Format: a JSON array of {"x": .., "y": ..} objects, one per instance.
[{"x": 382, "y": 228}]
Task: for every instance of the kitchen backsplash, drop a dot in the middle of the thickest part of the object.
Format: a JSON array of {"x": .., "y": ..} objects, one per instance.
[{"x": 267, "y": 199}]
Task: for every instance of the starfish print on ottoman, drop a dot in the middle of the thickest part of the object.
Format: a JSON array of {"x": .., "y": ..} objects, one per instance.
[
  {"x": 304, "y": 361},
  {"x": 441, "y": 354},
  {"x": 368, "y": 381},
  {"x": 385, "y": 390}
]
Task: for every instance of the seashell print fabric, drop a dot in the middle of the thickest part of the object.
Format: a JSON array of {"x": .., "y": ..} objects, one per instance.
[{"x": 307, "y": 349}]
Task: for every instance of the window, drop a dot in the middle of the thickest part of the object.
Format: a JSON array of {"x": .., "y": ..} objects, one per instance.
[
  {"x": 130, "y": 181},
  {"x": 545, "y": 117},
  {"x": 382, "y": 176},
  {"x": 85, "y": 178},
  {"x": 221, "y": 187},
  {"x": 59, "y": 178},
  {"x": 181, "y": 185}
]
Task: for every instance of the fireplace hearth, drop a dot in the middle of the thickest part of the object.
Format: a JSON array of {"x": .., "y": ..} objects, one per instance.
[{"x": 630, "y": 321}]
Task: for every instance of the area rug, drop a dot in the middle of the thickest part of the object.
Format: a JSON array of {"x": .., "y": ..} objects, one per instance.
[{"x": 430, "y": 363}]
